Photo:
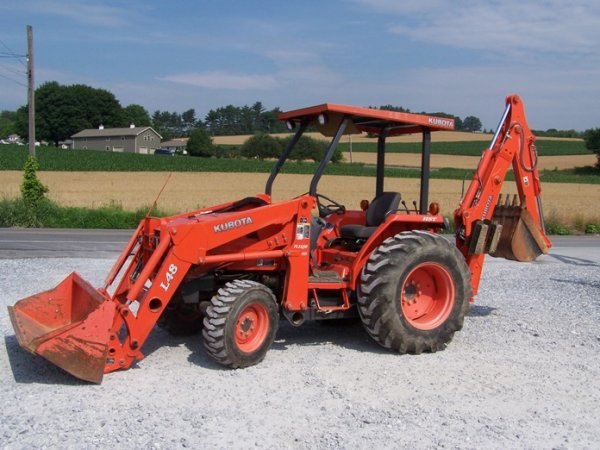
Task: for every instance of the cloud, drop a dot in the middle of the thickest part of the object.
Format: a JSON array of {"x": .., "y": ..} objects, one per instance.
[
  {"x": 223, "y": 80},
  {"x": 480, "y": 91},
  {"x": 509, "y": 27},
  {"x": 79, "y": 11},
  {"x": 544, "y": 50},
  {"x": 291, "y": 57},
  {"x": 309, "y": 75}
]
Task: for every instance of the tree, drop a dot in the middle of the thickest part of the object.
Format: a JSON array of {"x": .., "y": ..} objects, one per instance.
[
  {"x": 224, "y": 121},
  {"x": 200, "y": 143},
  {"x": 553, "y": 132},
  {"x": 62, "y": 111},
  {"x": 32, "y": 188},
  {"x": 394, "y": 108},
  {"x": 270, "y": 123},
  {"x": 471, "y": 123},
  {"x": 7, "y": 123},
  {"x": 234, "y": 120},
  {"x": 261, "y": 146},
  {"x": 173, "y": 124},
  {"x": 137, "y": 115},
  {"x": 188, "y": 121},
  {"x": 311, "y": 148},
  {"x": 592, "y": 142}
]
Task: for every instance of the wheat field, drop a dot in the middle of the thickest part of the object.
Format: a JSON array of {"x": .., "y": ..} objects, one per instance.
[
  {"x": 189, "y": 191},
  {"x": 467, "y": 162},
  {"x": 438, "y": 136}
]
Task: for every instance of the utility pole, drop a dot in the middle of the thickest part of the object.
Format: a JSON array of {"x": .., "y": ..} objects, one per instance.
[{"x": 30, "y": 91}]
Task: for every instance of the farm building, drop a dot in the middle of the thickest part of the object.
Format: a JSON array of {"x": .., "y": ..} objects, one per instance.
[
  {"x": 128, "y": 140},
  {"x": 177, "y": 144}
]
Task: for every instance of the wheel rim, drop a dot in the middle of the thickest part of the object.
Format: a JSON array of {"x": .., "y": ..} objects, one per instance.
[
  {"x": 427, "y": 296},
  {"x": 252, "y": 327}
]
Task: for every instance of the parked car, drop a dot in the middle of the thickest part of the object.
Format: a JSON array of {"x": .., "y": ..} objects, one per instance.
[{"x": 164, "y": 151}]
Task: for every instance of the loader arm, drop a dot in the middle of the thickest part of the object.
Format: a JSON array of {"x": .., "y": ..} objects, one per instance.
[
  {"x": 485, "y": 222},
  {"x": 89, "y": 332}
]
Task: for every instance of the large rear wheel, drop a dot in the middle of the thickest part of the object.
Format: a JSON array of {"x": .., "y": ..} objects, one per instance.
[
  {"x": 414, "y": 292},
  {"x": 240, "y": 323}
]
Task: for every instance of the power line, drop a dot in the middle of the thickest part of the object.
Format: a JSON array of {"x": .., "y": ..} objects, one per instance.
[
  {"x": 13, "y": 80},
  {"x": 13, "y": 70},
  {"x": 12, "y": 54}
]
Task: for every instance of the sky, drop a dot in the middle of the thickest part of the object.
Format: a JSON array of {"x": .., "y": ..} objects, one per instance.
[{"x": 461, "y": 57}]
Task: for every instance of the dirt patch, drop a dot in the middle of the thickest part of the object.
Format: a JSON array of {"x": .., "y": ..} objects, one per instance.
[{"x": 188, "y": 191}]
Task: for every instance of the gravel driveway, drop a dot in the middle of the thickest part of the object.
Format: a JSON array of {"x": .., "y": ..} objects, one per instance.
[{"x": 523, "y": 373}]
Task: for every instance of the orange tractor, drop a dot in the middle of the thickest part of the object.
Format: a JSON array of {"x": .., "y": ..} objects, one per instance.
[{"x": 231, "y": 271}]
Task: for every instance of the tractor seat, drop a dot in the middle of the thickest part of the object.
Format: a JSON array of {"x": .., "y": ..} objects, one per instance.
[{"x": 377, "y": 211}]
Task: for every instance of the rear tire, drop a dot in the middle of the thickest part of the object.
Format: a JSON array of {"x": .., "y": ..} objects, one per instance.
[
  {"x": 414, "y": 292},
  {"x": 240, "y": 324}
]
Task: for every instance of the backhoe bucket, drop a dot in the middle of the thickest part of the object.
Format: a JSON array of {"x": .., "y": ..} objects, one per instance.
[
  {"x": 68, "y": 325},
  {"x": 520, "y": 240}
]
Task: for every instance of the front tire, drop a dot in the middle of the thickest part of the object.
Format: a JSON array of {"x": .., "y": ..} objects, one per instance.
[
  {"x": 414, "y": 292},
  {"x": 240, "y": 324}
]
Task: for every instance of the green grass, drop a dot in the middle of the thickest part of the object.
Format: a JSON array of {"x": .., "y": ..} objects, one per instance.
[
  {"x": 53, "y": 159},
  {"x": 545, "y": 147},
  {"x": 47, "y": 214}
]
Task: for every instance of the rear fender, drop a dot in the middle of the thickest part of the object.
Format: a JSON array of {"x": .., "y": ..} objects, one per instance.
[{"x": 394, "y": 224}]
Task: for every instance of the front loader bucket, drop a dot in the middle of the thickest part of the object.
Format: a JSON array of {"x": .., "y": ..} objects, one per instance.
[
  {"x": 520, "y": 240},
  {"x": 68, "y": 325}
]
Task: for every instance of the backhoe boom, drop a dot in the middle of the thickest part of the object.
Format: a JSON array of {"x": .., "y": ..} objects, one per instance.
[{"x": 513, "y": 228}]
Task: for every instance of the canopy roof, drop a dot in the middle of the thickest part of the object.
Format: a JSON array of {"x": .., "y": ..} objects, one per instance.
[{"x": 367, "y": 120}]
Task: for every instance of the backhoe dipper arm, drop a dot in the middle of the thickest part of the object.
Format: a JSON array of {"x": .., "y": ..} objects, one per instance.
[{"x": 513, "y": 229}]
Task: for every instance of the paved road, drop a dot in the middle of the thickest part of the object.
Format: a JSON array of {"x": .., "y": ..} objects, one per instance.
[
  {"x": 61, "y": 243},
  {"x": 75, "y": 243}
]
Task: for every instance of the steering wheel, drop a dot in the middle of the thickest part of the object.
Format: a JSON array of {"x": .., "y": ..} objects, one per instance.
[{"x": 327, "y": 206}]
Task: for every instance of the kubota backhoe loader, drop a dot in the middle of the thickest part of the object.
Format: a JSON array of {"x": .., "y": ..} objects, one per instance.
[{"x": 232, "y": 270}]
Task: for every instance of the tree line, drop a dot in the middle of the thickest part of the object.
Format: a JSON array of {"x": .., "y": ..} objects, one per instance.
[{"x": 63, "y": 110}]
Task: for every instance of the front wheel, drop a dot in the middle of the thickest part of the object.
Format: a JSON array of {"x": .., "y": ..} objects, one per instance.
[
  {"x": 414, "y": 292},
  {"x": 240, "y": 324}
]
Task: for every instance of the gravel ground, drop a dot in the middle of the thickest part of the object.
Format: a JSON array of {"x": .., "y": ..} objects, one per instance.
[{"x": 523, "y": 373}]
